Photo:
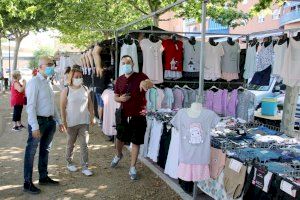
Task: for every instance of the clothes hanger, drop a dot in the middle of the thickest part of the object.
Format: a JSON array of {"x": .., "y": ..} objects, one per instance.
[
  {"x": 241, "y": 88},
  {"x": 192, "y": 40},
  {"x": 187, "y": 87},
  {"x": 177, "y": 86},
  {"x": 213, "y": 87}
]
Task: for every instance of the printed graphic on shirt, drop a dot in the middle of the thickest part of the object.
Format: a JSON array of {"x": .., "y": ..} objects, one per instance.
[
  {"x": 173, "y": 64},
  {"x": 196, "y": 132}
]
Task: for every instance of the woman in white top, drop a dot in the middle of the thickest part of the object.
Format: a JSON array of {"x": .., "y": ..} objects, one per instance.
[{"x": 77, "y": 113}]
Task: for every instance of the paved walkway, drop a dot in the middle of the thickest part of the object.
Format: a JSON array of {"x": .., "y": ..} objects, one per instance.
[{"x": 106, "y": 183}]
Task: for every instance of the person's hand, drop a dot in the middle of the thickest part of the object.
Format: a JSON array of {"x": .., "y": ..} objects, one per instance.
[
  {"x": 36, "y": 134},
  {"x": 123, "y": 98},
  {"x": 144, "y": 86},
  {"x": 24, "y": 82},
  {"x": 62, "y": 128}
]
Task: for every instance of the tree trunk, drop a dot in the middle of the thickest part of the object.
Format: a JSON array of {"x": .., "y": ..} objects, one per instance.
[
  {"x": 16, "y": 51},
  {"x": 1, "y": 55}
]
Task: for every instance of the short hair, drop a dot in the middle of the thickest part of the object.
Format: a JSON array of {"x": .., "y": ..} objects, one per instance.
[
  {"x": 68, "y": 69},
  {"x": 45, "y": 60},
  {"x": 128, "y": 56},
  {"x": 75, "y": 68},
  {"x": 16, "y": 74}
]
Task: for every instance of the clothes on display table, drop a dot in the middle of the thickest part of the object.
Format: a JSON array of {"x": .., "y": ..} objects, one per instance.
[
  {"x": 213, "y": 57},
  {"x": 110, "y": 106},
  {"x": 173, "y": 65},
  {"x": 152, "y": 60},
  {"x": 279, "y": 53},
  {"x": 191, "y": 62},
  {"x": 291, "y": 70},
  {"x": 265, "y": 57},
  {"x": 194, "y": 138},
  {"x": 217, "y": 162},
  {"x": 230, "y": 61},
  {"x": 250, "y": 63},
  {"x": 130, "y": 50}
]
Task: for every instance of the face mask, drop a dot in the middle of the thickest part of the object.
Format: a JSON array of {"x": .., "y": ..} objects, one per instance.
[
  {"x": 127, "y": 69},
  {"x": 77, "y": 81},
  {"x": 49, "y": 71}
]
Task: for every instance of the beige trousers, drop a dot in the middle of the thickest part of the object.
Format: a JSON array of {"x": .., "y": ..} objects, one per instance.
[{"x": 82, "y": 132}]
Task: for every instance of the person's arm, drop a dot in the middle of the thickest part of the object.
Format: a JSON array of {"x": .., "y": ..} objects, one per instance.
[
  {"x": 63, "y": 105},
  {"x": 20, "y": 88},
  {"x": 32, "y": 95},
  {"x": 146, "y": 85},
  {"x": 91, "y": 109}
]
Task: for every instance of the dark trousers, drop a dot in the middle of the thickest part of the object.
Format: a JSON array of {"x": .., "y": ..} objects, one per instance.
[
  {"x": 17, "y": 113},
  {"x": 47, "y": 129}
]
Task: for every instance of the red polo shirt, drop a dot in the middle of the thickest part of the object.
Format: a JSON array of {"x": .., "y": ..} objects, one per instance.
[
  {"x": 136, "y": 105},
  {"x": 173, "y": 55}
]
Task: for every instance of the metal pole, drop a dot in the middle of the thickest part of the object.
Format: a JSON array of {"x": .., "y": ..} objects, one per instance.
[
  {"x": 9, "y": 59},
  {"x": 116, "y": 55},
  {"x": 202, "y": 58}
]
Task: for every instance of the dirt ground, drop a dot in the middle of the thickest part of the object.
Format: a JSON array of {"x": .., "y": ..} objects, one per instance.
[{"x": 106, "y": 183}]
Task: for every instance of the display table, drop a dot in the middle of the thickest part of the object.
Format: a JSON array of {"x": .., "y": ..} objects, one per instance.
[{"x": 277, "y": 117}]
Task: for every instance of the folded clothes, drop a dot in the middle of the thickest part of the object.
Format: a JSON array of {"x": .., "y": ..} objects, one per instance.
[
  {"x": 262, "y": 155},
  {"x": 279, "y": 168},
  {"x": 265, "y": 130}
]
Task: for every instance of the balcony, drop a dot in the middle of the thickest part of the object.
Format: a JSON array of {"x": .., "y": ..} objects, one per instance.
[
  {"x": 214, "y": 27},
  {"x": 291, "y": 17}
]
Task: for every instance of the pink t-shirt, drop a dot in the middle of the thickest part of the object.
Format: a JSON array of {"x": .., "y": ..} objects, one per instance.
[{"x": 178, "y": 98}]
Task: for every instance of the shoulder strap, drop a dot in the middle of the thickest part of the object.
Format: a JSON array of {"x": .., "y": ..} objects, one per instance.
[
  {"x": 67, "y": 90},
  {"x": 86, "y": 89}
]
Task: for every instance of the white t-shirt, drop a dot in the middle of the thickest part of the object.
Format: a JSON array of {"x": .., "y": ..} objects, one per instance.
[
  {"x": 152, "y": 60},
  {"x": 130, "y": 50},
  {"x": 154, "y": 143},
  {"x": 191, "y": 62},
  {"x": 279, "y": 51},
  {"x": 172, "y": 162},
  {"x": 213, "y": 56},
  {"x": 250, "y": 63},
  {"x": 195, "y": 135},
  {"x": 291, "y": 70}
]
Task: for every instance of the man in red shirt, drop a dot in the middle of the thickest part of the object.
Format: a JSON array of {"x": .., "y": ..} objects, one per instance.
[{"x": 130, "y": 91}]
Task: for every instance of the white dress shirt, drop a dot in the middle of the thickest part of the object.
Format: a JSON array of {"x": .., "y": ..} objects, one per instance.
[{"x": 40, "y": 101}]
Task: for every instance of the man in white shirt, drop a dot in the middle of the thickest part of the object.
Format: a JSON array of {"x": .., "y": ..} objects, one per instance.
[{"x": 42, "y": 118}]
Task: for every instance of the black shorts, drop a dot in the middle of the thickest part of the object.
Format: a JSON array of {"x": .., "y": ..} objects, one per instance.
[{"x": 133, "y": 131}]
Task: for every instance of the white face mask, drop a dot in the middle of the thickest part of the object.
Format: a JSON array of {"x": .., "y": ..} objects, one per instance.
[{"x": 77, "y": 81}]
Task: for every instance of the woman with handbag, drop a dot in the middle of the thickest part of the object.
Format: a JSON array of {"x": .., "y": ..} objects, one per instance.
[{"x": 18, "y": 99}]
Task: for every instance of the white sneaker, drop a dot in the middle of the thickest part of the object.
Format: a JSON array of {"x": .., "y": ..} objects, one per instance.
[
  {"x": 87, "y": 172},
  {"x": 72, "y": 168},
  {"x": 133, "y": 173}
]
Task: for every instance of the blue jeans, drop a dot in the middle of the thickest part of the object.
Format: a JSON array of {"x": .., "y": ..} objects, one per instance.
[
  {"x": 99, "y": 100},
  {"x": 47, "y": 129}
]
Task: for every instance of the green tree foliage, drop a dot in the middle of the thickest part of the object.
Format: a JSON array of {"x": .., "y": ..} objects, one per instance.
[{"x": 43, "y": 51}]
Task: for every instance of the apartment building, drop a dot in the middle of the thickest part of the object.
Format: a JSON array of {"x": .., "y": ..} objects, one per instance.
[{"x": 275, "y": 17}]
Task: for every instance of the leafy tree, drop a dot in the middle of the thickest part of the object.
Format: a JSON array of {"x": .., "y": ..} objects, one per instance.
[{"x": 43, "y": 51}]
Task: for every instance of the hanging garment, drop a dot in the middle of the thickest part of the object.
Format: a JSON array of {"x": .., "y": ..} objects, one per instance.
[
  {"x": 234, "y": 178},
  {"x": 164, "y": 146},
  {"x": 110, "y": 106},
  {"x": 173, "y": 59},
  {"x": 217, "y": 162},
  {"x": 231, "y": 59},
  {"x": 191, "y": 61},
  {"x": 250, "y": 63},
  {"x": 172, "y": 162},
  {"x": 151, "y": 97},
  {"x": 246, "y": 105},
  {"x": 290, "y": 72},
  {"x": 265, "y": 57},
  {"x": 231, "y": 104},
  {"x": 213, "y": 56},
  {"x": 154, "y": 143},
  {"x": 130, "y": 50},
  {"x": 279, "y": 52},
  {"x": 147, "y": 137},
  {"x": 178, "y": 98},
  {"x": 217, "y": 101},
  {"x": 230, "y": 76},
  {"x": 224, "y": 102},
  {"x": 152, "y": 60},
  {"x": 262, "y": 78},
  {"x": 195, "y": 135},
  {"x": 194, "y": 138},
  {"x": 209, "y": 97},
  {"x": 192, "y": 96},
  {"x": 168, "y": 99},
  {"x": 185, "y": 98}
]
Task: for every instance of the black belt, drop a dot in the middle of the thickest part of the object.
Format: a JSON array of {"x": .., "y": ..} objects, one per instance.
[{"x": 50, "y": 118}]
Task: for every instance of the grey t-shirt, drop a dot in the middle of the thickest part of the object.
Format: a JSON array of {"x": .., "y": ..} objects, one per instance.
[
  {"x": 195, "y": 135},
  {"x": 231, "y": 59}
]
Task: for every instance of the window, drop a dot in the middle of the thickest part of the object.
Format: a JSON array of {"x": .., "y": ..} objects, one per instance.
[
  {"x": 261, "y": 18},
  {"x": 245, "y": 2},
  {"x": 276, "y": 14}
]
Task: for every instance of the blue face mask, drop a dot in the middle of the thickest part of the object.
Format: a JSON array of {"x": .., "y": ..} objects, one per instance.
[
  {"x": 49, "y": 71},
  {"x": 127, "y": 69}
]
